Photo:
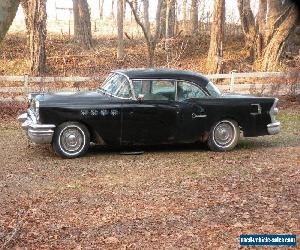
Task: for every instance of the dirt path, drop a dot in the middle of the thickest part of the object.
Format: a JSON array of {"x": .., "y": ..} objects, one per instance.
[{"x": 166, "y": 198}]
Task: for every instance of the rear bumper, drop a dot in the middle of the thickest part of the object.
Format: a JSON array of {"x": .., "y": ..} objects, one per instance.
[
  {"x": 37, "y": 133},
  {"x": 273, "y": 128}
]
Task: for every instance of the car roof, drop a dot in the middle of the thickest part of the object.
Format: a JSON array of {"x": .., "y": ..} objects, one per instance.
[{"x": 161, "y": 73}]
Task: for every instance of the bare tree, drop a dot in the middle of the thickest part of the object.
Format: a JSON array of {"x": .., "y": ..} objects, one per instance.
[
  {"x": 101, "y": 8},
  {"x": 195, "y": 17},
  {"x": 215, "y": 53},
  {"x": 185, "y": 16},
  {"x": 146, "y": 15},
  {"x": 8, "y": 10},
  {"x": 82, "y": 23},
  {"x": 112, "y": 13},
  {"x": 163, "y": 20},
  {"x": 151, "y": 40},
  {"x": 277, "y": 40},
  {"x": 120, "y": 22},
  {"x": 37, "y": 36},
  {"x": 25, "y": 7},
  {"x": 260, "y": 28},
  {"x": 265, "y": 37},
  {"x": 171, "y": 18},
  {"x": 248, "y": 25}
]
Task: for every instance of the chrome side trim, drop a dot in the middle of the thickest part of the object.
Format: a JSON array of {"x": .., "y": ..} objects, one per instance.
[
  {"x": 258, "y": 109},
  {"x": 274, "y": 111},
  {"x": 194, "y": 116}
]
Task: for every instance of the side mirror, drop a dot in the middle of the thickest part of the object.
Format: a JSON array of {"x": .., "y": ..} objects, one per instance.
[{"x": 141, "y": 97}]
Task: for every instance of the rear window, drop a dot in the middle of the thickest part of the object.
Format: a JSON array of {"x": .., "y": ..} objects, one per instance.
[{"x": 213, "y": 90}]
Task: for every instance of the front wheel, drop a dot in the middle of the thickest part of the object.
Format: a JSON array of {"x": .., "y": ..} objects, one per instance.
[
  {"x": 224, "y": 135},
  {"x": 71, "y": 140}
]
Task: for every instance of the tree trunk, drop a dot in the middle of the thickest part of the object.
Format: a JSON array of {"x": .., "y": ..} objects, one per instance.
[
  {"x": 163, "y": 21},
  {"x": 261, "y": 16},
  {"x": 248, "y": 26},
  {"x": 120, "y": 22},
  {"x": 146, "y": 15},
  {"x": 25, "y": 7},
  {"x": 171, "y": 18},
  {"x": 151, "y": 40},
  {"x": 101, "y": 7},
  {"x": 260, "y": 27},
  {"x": 194, "y": 17},
  {"x": 273, "y": 21},
  {"x": 185, "y": 21},
  {"x": 82, "y": 23},
  {"x": 112, "y": 13},
  {"x": 37, "y": 36},
  {"x": 215, "y": 53},
  {"x": 8, "y": 10},
  {"x": 273, "y": 51}
]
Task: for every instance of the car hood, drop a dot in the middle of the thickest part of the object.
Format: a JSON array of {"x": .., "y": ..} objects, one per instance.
[{"x": 74, "y": 98}]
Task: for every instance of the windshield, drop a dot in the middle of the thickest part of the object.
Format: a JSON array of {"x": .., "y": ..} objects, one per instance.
[
  {"x": 117, "y": 85},
  {"x": 213, "y": 90}
]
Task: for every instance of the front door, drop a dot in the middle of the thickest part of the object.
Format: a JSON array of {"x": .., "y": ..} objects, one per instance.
[{"x": 154, "y": 119}]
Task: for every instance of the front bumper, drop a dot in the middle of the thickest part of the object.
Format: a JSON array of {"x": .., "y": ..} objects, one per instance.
[
  {"x": 273, "y": 128},
  {"x": 37, "y": 133}
]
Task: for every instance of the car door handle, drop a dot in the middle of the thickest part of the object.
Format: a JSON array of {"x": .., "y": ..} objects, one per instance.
[
  {"x": 195, "y": 116},
  {"x": 131, "y": 113}
]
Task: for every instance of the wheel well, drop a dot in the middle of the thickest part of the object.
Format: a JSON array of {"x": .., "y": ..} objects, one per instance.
[
  {"x": 229, "y": 118},
  {"x": 94, "y": 136}
]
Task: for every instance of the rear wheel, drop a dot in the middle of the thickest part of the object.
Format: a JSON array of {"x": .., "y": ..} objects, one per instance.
[
  {"x": 71, "y": 140},
  {"x": 224, "y": 135}
]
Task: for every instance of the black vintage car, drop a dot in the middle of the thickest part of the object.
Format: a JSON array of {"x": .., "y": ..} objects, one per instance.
[{"x": 147, "y": 107}]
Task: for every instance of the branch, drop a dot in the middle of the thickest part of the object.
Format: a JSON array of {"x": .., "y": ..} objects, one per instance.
[{"x": 139, "y": 22}]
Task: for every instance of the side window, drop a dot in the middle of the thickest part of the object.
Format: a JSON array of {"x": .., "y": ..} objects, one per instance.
[
  {"x": 186, "y": 90},
  {"x": 124, "y": 91},
  {"x": 155, "y": 89}
]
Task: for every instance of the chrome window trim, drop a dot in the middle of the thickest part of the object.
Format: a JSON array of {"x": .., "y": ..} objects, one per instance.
[
  {"x": 173, "y": 80},
  {"x": 160, "y": 79},
  {"x": 133, "y": 97}
]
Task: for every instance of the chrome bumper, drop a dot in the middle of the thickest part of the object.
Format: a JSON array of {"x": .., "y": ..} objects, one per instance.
[
  {"x": 273, "y": 128},
  {"x": 37, "y": 133}
]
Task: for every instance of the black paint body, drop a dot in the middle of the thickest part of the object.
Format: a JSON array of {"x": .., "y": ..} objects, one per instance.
[{"x": 132, "y": 122}]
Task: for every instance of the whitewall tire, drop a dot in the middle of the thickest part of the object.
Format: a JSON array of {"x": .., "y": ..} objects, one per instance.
[
  {"x": 224, "y": 135},
  {"x": 71, "y": 140}
]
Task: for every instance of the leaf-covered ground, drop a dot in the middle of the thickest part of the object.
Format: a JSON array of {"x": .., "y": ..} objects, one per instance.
[{"x": 171, "y": 197}]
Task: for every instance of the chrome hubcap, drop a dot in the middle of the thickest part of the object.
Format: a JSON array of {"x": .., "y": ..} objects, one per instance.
[
  {"x": 224, "y": 134},
  {"x": 72, "y": 139}
]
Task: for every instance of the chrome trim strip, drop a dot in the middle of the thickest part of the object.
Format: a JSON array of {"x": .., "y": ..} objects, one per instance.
[
  {"x": 258, "y": 109},
  {"x": 194, "y": 116},
  {"x": 274, "y": 111}
]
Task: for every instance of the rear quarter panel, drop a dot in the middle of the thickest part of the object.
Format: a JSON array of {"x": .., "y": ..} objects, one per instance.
[{"x": 242, "y": 110}]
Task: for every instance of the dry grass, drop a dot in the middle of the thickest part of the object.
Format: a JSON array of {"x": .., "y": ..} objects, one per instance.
[
  {"x": 170, "y": 197},
  {"x": 68, "y": 58}
]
